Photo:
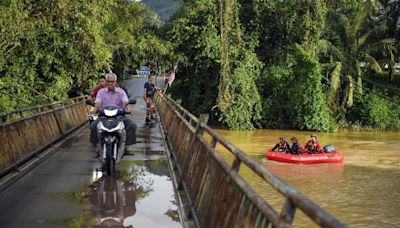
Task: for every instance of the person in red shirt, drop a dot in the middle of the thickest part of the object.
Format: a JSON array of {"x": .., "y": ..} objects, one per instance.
[
  {"x": 101, "y": 84},
  {"x": 313, "y": 146}
]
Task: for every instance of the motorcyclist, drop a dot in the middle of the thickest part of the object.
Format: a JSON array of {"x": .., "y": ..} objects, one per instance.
[{"x": 113, "y": 96}]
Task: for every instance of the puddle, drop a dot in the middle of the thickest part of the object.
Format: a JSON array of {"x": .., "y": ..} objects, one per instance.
[{"x": 140, "y": 195}]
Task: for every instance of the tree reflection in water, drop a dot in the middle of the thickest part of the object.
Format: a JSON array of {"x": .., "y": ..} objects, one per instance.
[{"x": 143, "y": 174}]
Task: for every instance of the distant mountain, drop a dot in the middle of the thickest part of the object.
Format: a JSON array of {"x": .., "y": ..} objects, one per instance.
[{"x": 164, "y": 8}]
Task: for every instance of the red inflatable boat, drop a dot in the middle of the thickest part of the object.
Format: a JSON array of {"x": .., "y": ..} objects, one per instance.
[{"x": 305, "y": 158}]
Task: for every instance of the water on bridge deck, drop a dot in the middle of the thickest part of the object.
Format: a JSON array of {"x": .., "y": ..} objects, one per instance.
[{"x": 69, "y": 190}]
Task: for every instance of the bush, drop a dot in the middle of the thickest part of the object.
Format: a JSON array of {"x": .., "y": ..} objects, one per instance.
[
  {"x": 308, "y": 104},
  {"x": 375, "y": 111},
  {"x": 273, "y": 87}
]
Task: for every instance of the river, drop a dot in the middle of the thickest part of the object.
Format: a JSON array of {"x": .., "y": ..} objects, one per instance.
[{"x": 364, "y": 191}]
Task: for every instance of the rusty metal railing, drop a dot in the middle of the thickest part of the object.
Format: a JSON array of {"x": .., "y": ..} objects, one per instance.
[
  {"x": 26, "y": 132},
  {"x": 218, "y": 196},
  {"x": 19, "y": 114}
]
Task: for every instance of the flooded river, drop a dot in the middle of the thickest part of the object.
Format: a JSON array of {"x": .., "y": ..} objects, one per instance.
[{"x": 364, "y": 191}]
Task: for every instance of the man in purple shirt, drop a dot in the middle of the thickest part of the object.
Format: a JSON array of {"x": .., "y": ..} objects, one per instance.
[{"x": 113, "y": 96}]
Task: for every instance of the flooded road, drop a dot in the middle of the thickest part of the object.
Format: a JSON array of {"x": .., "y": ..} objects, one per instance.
[
  {"x": 364, "y": 191},
  {"x": 135, "y": 197}
]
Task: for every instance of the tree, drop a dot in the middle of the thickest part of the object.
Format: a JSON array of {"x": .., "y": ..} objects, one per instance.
[
  {"x": 193, "y": 32},
  {"x": 387, "y": 13},
  {"x": 309, "y": 108},
  {"x": 59, "y": 46},
  {"x": 53, "y": 49},
  {"x": 351, "y": 42}
]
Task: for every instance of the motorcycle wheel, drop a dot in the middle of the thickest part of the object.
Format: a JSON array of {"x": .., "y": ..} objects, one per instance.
[{"x": 109, "y": 161}]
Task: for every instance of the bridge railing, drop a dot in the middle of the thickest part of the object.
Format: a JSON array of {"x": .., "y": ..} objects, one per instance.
[
  {"x": 25, "y": 132},
  {"x": 218, "y": 196}
]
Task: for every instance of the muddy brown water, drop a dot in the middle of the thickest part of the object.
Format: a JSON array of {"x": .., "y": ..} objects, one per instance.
[{"x": 364, "y": 191}]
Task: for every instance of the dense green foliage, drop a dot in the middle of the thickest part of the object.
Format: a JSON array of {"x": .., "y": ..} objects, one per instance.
[
  {"x": 196, "y": 40},
  {"x": 289, "y": 64},
  {"x": 53, "y": 49},
  {"x": 313, "y": 65},
  {"x": 220, "y": 67}
]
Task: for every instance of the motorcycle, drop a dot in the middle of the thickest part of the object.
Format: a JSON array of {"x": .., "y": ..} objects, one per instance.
[{"x": 111, "y": 131}]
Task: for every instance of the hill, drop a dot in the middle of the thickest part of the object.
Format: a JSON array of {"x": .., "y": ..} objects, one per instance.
[{"x": 164, "y": 8}]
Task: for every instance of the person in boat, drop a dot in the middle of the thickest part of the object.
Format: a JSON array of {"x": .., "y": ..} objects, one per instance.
[
  {"x": 295, "y": 148},
  {"x": 282, "y": 146},
  {"x": 313, "y": 146}
]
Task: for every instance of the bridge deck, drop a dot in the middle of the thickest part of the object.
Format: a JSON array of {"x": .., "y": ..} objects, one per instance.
[{"x": 67, "y": 189}]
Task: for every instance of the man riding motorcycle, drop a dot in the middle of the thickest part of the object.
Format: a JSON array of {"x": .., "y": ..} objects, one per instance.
[{"x": 113, "y": 96}]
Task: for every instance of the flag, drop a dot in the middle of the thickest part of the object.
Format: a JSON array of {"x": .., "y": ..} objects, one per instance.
[
  {"x": 171, "y": 78},
  {"x": 172, "y": 75}
]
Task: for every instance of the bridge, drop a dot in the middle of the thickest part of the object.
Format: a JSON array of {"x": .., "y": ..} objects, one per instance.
[{"x": 174, "y": 176}]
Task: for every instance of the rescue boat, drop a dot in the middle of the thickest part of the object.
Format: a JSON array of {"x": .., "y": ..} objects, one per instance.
[{"x": 305, "y": 158}]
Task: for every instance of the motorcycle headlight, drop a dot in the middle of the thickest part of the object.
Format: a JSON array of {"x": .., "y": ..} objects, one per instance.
[{"x": 110, "y": 113}]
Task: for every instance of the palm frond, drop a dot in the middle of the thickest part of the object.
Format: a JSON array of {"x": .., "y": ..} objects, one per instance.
[
  {"x": 350, "y": 91},
  {"x": 336, "y": 52},
  {"x": 373, "y": 63},
  {"x": 335, "y": 77},
  {"x": 360, "y": 18},
  {"x": 359, "y": 85},
  {"x": 380, "y": 29},
  {"x": 333, "y": 96},
  {"x": 371, "y": 36},
  {"x": 341, "y": 27},
  {"x": 383, "y": 46},
  {"x": 363, "y": 38}
]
